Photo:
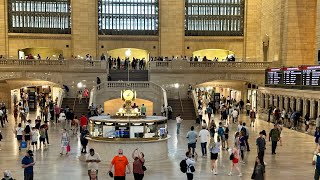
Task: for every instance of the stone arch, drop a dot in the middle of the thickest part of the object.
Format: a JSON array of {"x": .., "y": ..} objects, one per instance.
[{"x": 112, "y": 105}]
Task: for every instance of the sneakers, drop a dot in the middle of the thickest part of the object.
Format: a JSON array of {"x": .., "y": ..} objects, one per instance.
[
  {"x": 240, "y": 175},
  {"x": 212, "y": 171},
  {"x": 243, "y": 162},
  {"x": 230, "y": 174},
  {"x": 215, "y": 173}
]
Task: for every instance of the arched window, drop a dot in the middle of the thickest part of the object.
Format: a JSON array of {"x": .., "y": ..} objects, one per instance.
[
  {"x": 128, "y": 17},
  {"x": 39, "y": 16},
  {"x": 214, "y": 17}
]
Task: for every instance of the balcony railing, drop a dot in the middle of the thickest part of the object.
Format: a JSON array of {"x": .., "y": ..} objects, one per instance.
[
  {"x": 187, "y": 65},
  {"x": 52, "y": 65}
]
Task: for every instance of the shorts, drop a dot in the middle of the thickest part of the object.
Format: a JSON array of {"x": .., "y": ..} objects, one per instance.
[
  {"x": 27, "y": 137},
  {"x": 42, "y": 139},
  {"x": 192, "y": 145},
  {"x": 235, "y": 160},
  {"x": 19, "y": 137},
  {"x": 34, "y": 143},
  {"x": 226, "y": 136},
  {"x": 214, "y": 156}
]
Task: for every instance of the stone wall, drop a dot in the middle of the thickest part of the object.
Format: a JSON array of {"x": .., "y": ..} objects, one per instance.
[
  {"x": 3, "y": 28},
  {"x": 318, "y": 32}
]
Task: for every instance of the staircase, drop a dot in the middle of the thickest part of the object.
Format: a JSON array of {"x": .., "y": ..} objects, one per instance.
[
  {"x": 188, "y": 108},
  {"x": 135, "y": 75},
  {"x": 78, "y": 108}
]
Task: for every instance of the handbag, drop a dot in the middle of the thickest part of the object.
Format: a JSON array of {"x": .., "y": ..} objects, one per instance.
[
  {"x": 144, "y": 168},
  {"x": 68, "y": 148},
  {"x": 23, "y": 144}
]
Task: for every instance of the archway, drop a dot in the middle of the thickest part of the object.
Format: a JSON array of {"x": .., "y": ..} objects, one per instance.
[
  {"x": 130, "y": 53},
  {"x": 112, "y": 106},
  {"x": 210, "y": 54},
  {"x": 44, "y": 52}
]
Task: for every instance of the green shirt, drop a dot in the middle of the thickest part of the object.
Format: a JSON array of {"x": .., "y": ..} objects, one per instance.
[
  {"x": 143, "y": 109},
  {"x": 274, "y": 134}
]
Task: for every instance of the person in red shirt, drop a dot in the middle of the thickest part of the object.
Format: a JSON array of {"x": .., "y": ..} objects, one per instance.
[
  {"x": 83, "y": 122},
  {"x": 120, "y": 162}
]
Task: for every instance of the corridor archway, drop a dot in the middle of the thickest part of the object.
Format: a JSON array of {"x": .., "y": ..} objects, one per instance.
[
  {"x": 210, "y": 54},
  {"x": 130, "y": 53}
]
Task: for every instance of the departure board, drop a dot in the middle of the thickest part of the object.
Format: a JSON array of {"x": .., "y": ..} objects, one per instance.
[
  {"x": 274, "y": 76},
  {"x": 311, "y": 75},
  {"x": 292, "y": 76}
]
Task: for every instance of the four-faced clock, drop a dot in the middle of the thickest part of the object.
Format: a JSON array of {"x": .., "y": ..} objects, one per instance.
[{"x": 128, "y": 95}]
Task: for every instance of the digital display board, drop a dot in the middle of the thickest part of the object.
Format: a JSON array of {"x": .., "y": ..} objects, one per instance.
[
  {"x": 302, "y": 77},
  {"x": 311, "y": 75},
  {"x": 292, "y": 76},
  {"x": 274, "y": 76}
]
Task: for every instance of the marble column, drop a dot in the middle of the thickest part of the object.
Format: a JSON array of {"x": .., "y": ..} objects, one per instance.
[
  {"x": 304, "y": 106},
  {"x": 281, "y": 102},
  {"x": 271, "y": 100},
  {"x": 275, "y": 101},
  {"x": 286, "y": 103},
  {"x": 292, "y": 103},
  {"x": 298, "y": 104},
  {"x": 312, "y": 109},
  {"x": 266, "y": 101}
]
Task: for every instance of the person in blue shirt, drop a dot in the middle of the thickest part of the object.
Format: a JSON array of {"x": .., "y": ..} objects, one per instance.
[
  {"x": 317, "y": 136},
  {"x": 192, "y": 140},
  {"x": 28, "y": 163}
]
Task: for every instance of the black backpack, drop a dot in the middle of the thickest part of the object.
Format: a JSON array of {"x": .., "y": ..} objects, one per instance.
[
  {"x": 27, "y": 129},
  {"x": 183, "y": 166}
]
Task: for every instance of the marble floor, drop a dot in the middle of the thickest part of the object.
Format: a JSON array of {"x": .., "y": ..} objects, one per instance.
[{"x": 293, "y": 158}]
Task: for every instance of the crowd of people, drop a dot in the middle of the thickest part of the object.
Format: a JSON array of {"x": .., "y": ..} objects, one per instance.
[{"x": 125, "y": 64}]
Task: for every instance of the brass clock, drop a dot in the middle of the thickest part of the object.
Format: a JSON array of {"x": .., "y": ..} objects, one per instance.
[{"x": 128, "y": 95}]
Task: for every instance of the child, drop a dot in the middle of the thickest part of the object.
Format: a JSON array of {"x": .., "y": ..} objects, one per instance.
[{"x": 34, "y": 138}]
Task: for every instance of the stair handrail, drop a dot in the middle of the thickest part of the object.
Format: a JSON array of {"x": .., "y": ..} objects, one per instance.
[
  {"x": 180, "y": 101},
  {"x": 194, "y": 98},
  {"x": 60, "y": 97},
  {"x": 92, "y": 97}
]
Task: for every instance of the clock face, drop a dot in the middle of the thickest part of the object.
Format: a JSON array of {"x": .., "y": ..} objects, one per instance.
[{"x": 128, "y": 95}]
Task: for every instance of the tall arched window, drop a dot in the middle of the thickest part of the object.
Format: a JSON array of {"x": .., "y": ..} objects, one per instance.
[
  {"x": 39, "y": 16},
  {"x": 214, "y": 17},
  {"x": 128, "y": 17}
]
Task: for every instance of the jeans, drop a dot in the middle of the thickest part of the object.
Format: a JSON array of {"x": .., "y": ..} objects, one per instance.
[
  {"x": 204, "y": 148},
  {"x": 178, "y": 128},
  {"x": 274, "y": 146},
  {"x": 189, "y": 176},
  {"x": 247, "y": 143},
  {"x": 261, "y": 155},
  {"x": 316, "y": 174}
]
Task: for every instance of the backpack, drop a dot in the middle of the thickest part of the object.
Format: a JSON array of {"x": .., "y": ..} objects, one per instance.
[
  {"x": 220, "y": 131},
  {"x": 183, "y": 166},
  {"x": 318, "y": 162},
  {"x": 244, "y": 130}
]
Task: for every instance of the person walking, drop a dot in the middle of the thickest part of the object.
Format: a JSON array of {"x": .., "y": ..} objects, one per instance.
[
  {"x": 83, "y": 122},
  {"x": 27, "y": 164},
  {"x": 221, "y": 134},
  {"x": 138, "y": 164},
  {"x": 261, "y": 146},
  {"x": 245, "y": 131},
  {"x": 242, "y": 140},
  {"x": 34, "y": 138},
  {"x": 234, "y": 158},
  {"x": 316, "y": 163},
  {"x": 307, "y": 122},
  {"x": 179, "y": 121},
  {"x": 258, "y": 170},
  {"x": 93, "y": 159},
  {"x": 65, "y": 141},
  {"x": 192, "y": 139},
  {"x": 83, "y": 139},
  {"x": 191, "y": 162},
  {"x": 274, "y": 136},
  {"x": 214, "y": 151},
  {"x": 163, "y": 111},
  {"x": 204, "y": 135},
  {"x": 209, "y": 112},
  {"x": 62, "y": 119},
  {"x": 19, "y": 134},
  {"x": 200, "y": 112},
  {"x": 252, "y": 117},
  {"x": 235, "y": 114},
  {"x": 120, "y": 162}
]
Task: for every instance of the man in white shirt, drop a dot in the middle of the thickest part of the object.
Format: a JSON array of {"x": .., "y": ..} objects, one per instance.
[
  {"x": 235, "y": 116},
  {"x": 93, "y": 159},
  {"x": 204, "y": 135},
  {"x": 239, "y": 126},
  {"x": 179, "y": 120},
  {"x": 191, "y": 162}
]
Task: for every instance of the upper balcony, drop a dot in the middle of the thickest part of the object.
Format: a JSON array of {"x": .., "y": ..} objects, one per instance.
[{"x": 52, "y": 65}]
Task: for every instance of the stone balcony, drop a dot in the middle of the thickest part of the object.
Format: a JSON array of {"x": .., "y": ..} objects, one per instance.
[{"x": 52, "y": 65}]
